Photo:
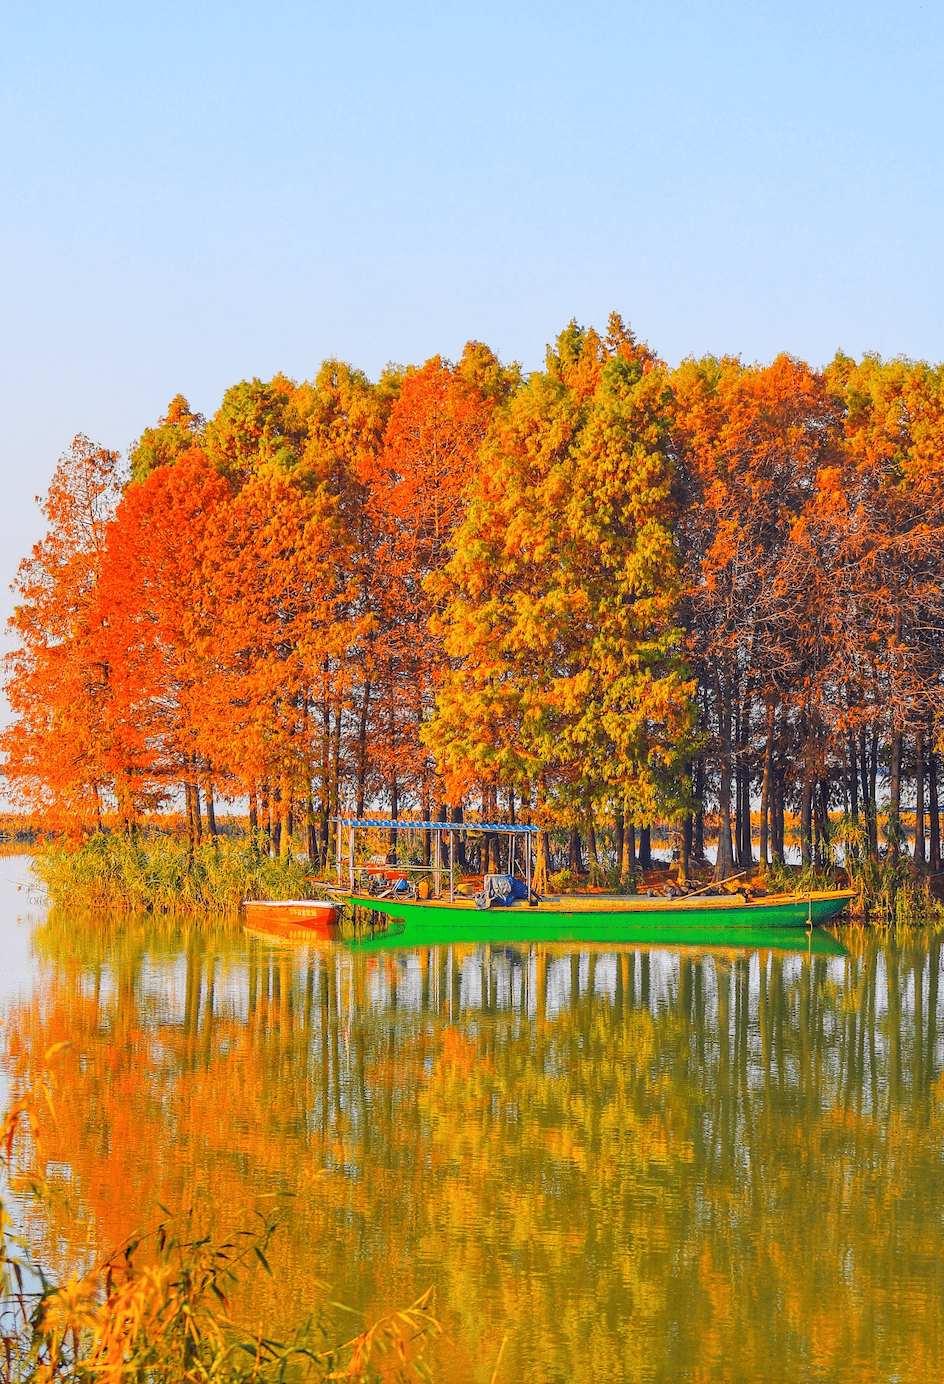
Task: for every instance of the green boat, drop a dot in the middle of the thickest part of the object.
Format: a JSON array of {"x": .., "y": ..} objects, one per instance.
[
  {"x": 575, "y": 914},
  {"x": 606, "y": 915},
  {"x": 394, "y": 894}
]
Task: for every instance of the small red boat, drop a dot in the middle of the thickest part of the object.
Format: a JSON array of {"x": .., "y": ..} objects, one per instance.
[{"x": 322, "y": 920}]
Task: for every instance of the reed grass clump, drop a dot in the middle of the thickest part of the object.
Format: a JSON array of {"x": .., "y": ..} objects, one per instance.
[
  {"x": 892, "y": 892},
  {"x": 163, "y": 873}
]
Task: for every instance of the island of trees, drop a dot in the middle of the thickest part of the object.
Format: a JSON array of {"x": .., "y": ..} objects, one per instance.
[{"x": 602, "y": 595}]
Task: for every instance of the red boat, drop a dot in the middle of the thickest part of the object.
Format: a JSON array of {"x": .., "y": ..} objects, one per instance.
[{"x": 322, "y": 920}]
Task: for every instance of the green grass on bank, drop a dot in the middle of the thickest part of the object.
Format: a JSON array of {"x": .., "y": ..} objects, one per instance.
[{"x": 160, "y": 872}]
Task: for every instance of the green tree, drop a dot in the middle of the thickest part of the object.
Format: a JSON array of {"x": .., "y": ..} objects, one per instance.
[{"x": 558, "y": 607}]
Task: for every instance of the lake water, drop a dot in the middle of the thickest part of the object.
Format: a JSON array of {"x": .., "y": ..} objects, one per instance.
[{"x": 628, "y": 1164}]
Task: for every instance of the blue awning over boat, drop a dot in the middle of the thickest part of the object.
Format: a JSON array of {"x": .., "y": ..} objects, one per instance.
[{"x": 404, "y": 824}]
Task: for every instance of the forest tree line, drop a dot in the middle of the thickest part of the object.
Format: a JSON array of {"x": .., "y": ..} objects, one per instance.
[{"x": 603, "y": 594}]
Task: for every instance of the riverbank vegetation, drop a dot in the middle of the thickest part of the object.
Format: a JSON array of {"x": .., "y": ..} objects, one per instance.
[
  {"x": 605, "y": 595},
  {"x": 166, "y": 872}
]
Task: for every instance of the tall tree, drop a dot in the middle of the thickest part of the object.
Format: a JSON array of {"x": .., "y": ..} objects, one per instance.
[
  {"x": 749, "y": 443},
  {"x": 559, "y": 602},
  {"x": 149, "y": 588},
  {"x": 57, "y": 753},
  {"x": 417, "y": 496}
]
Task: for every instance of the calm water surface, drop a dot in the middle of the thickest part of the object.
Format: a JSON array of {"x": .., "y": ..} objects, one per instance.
[{"x": 639, "y": 1163}]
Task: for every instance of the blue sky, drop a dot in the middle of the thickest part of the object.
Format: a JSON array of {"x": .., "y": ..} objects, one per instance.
[{"x": 195, "y": 194}]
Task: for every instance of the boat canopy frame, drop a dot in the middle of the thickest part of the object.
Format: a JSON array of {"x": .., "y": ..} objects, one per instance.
[{"x": 439, "y": 830}]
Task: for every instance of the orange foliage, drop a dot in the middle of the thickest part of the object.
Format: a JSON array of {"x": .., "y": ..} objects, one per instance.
[{"x": 458, "y": 583}]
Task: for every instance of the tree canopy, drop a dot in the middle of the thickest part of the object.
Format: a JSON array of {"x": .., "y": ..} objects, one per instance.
[{"x": 604, "y": 593}]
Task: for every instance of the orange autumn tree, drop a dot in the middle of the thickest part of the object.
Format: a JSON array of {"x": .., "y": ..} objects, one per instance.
[
  {"x": 749, "y": 444},
  {"x": 878, "y": 532},
  {"x": 345, "y": 419},
  {"x": 149, "y": 588},
  {"x": 267, "y": 621},
  {"x": 279, "y": 610},
  {"x": 417, "y": 492},
  {"x": 59, "y": 755}
]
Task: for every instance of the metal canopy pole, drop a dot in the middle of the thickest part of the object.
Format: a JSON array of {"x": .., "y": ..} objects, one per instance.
[
  {"x": 452, "y": 842},
  {"x": 527, "y": 863},
  {"x": 351, "y": 857},
  {"x": 337, "y": 838},
  {"x": 438, "y": 862}
]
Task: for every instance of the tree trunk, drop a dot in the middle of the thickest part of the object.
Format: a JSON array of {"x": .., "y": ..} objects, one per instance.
[
  {"x": 853, "y": 778},
  {"x": 574, "y": 856},
  {"x": 253, "y": 813},
  {"x": 311, "y": 829},
  {"x": 618, "y": 840},
  {"x": 934, "y": 814},
  {"x": 765, "y": 789},
  {"x": 745, "y": 856},
  {"x": 211, "y": 811},
  {"x": 868, "y": 773},
  {"x": 275, "y": 822},
  {"x": 698, "y": 839},
  {"x": 806, "y": 822},
  {"x": 541, "y": 871},
  {"x": 725, "y": 860},
  {"x": 285, "y": 822},
  {"x": 893, "y": 835},
  {"x": 324, "y": 800},
  {"x": 628, "y": 861},
  {"x": 395, "y": 816},
  {"x": 821, "y": 823},
  {"x": 333, "y": 828},
  {"x": 264, "y": 816},
  {"x": 920, "y": 854},
  {"x": 461, "y": 858},
  {"x": 873, "y": 786},
  {"x": 778, "y": 831},
  {"x": 362, "y": 750},
  {"x": 685, "y": 853},
  {"x": 188, "y": 806},
  {"x": 645, "y": 847}
]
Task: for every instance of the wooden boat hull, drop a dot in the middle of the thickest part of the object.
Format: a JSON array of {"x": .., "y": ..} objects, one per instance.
[
  {"x": 595, "y": 917},
  {"x": 392, "y": 934},
  {"x": 322, "y": 921}
]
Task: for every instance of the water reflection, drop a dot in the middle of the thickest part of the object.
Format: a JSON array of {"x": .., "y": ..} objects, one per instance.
[{"x": 639, "y": 1162}]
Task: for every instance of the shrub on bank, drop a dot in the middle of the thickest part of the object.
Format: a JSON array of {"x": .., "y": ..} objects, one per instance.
[{"x": 161, "y": 872}]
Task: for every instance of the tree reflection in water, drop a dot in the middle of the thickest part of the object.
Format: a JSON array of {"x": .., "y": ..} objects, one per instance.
[{"x": 638, "y": 1164}]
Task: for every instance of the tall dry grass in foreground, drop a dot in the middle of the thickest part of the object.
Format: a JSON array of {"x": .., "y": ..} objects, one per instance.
[
  {"x": 161, "y": 872},
  {"x": 156, "y": 1310}
]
